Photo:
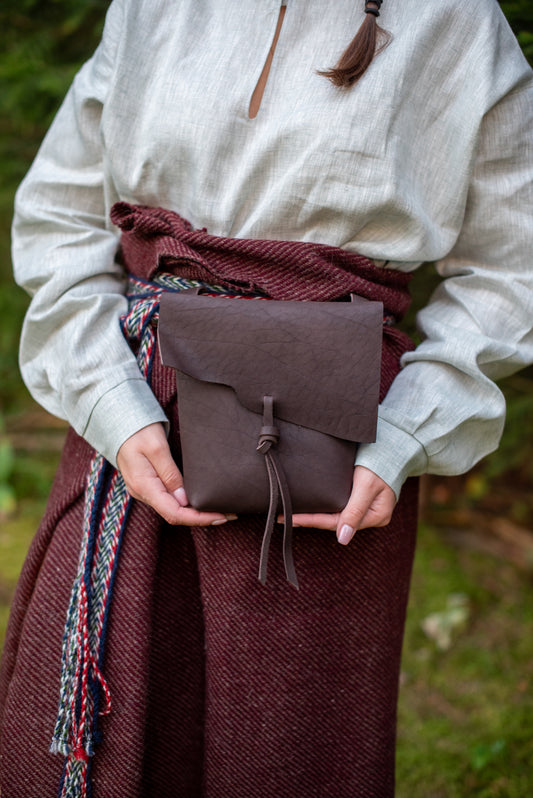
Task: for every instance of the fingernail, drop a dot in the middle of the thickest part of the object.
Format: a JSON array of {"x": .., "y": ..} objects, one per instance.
[
  {"x": 229, "y": 517},
  {"x": 346, "y": 534},
  {"x": 181, "y": 497}
]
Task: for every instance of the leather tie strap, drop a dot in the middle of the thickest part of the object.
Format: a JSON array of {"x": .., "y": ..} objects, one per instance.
[{"x": 268, "y": 438}]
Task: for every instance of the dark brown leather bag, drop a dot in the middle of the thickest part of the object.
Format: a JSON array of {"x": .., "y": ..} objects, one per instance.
[{"x": 273, "y": 398}]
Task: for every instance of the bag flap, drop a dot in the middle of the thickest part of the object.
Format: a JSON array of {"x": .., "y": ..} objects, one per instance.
[{"x": 320, "y": 361}]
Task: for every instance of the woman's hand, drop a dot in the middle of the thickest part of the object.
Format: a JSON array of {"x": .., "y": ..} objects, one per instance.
[
  {"x": 371, "y": 503},
  {"x": 151, "y": 475}
]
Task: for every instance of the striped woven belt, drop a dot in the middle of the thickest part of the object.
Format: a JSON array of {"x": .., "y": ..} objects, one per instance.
[{"x": 84, "y": 694}]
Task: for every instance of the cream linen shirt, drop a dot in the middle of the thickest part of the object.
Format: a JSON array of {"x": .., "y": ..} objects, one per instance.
[{"x": 428, "y": 158}]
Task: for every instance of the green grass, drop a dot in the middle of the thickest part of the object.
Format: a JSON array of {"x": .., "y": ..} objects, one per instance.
[
  {"x": 13, "y": 303},
  {"x": 15, "y": 537},
  {"x": 465, "y": 714}
]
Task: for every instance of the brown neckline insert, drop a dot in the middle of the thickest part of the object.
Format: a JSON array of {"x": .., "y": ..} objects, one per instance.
[{"x": 257, "y": 96}]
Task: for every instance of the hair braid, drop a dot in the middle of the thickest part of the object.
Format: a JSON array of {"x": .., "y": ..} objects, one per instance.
[{"x": 369, "y": 40}]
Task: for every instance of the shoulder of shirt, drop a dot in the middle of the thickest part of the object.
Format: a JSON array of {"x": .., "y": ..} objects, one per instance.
[
  {"x": 485, "y": 49},
  {"x": 462, "y": 9},
  {"x": 483, "y": 17}
]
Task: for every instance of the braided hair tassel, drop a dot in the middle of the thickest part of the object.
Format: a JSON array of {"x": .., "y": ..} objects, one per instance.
[{"x": 369, "y": 40}]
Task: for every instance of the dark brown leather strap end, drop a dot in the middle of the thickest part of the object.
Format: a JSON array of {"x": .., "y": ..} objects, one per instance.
[{"x": 268, "y": 438}]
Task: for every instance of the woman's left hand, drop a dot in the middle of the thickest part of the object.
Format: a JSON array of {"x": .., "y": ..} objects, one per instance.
[{"x": 371, "y": 504}]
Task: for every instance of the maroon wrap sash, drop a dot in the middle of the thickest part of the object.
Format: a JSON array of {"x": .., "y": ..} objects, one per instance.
[{"x": 155, "y": 238}]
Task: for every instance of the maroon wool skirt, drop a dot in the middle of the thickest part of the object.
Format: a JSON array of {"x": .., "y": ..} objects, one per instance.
[{"x": 221, "y": 688}]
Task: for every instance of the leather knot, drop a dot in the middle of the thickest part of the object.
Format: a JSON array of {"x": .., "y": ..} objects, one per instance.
[{"x": 268, "y": 436}]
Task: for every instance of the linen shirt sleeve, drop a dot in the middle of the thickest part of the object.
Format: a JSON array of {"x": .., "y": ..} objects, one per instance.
[
  {"x": 444, "y": 412},
  {"x": 73, "y": 357}
]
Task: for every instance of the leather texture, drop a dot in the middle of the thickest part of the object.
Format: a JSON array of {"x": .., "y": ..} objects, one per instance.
[
  {"x": 319, "y": 361},
  {"x": 223, "y": 471}
]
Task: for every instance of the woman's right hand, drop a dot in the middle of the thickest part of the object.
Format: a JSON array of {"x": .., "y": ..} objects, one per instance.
[{"x": 152, "y": 476}]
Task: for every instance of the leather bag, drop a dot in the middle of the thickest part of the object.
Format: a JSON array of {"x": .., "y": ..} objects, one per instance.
[{"x": 273, "y": 398}]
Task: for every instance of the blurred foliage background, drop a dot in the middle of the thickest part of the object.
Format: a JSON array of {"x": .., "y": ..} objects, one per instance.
[{"x": 466, "y": 705}]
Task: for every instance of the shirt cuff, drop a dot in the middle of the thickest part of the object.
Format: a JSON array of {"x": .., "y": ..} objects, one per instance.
[
  {"x": 120, "y": 413},
  {"x": 394, "y": 456}
]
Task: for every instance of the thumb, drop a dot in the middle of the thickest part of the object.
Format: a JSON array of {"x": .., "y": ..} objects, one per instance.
[
  {"x": 351, "y": 517},
  {"x": 166, "y": 468},
  {"x": 149, "y": 447},
  {"x": 371, "y": 504}
]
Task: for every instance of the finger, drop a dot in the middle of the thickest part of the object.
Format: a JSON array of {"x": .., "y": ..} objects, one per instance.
[
  {"x": 314, "y": 520},
  {"x": 151, "y": 476},
  {"x": 188, "y": 516},
  {"x": 154, "y": 493}
]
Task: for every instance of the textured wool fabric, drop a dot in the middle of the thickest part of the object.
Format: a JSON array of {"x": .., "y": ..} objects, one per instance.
[
  {"x": 219, "y": 687},
  {"x": 155, "y": 238}
]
